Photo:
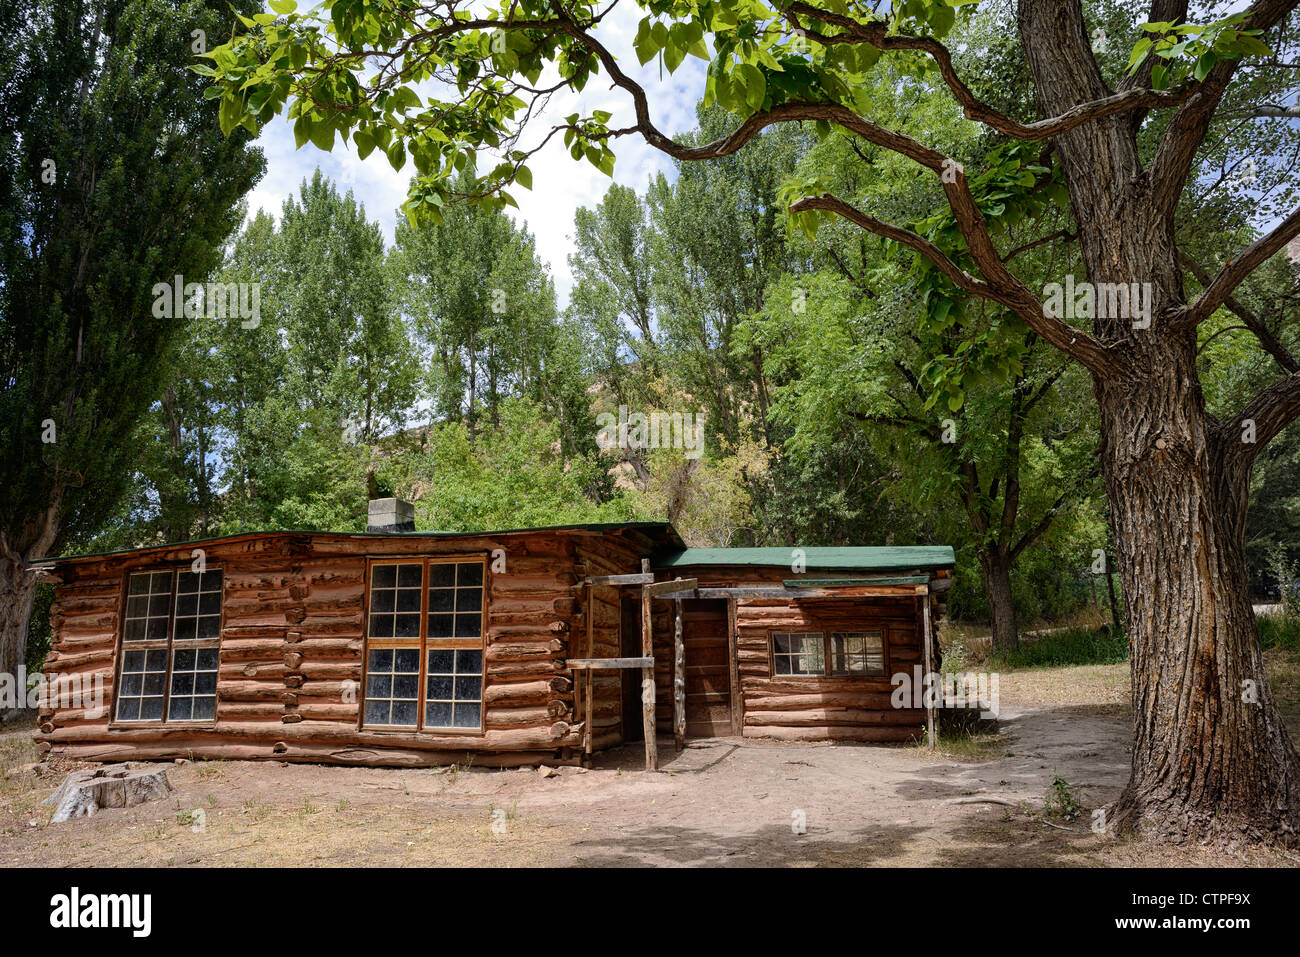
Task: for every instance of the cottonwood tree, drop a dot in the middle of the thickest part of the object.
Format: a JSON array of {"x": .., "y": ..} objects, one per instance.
[
  {"x": 112, "y": 182},
  {"x": 1210, "y": 755}
]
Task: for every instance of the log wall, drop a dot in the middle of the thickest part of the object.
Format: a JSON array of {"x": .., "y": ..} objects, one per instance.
[
  {"x": 292, "y": 646},
  {"x": 839, "y": 708}
]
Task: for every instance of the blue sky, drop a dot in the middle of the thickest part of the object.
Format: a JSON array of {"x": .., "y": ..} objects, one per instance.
[{"x": 560, "y": 185}]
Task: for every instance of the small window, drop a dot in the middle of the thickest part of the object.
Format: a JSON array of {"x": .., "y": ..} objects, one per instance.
[
  {"x": 857, "y": 653},
  {"x": 393, "y": 687},
  {"x": 841, "y": 653},
  {"x": 454, "y": 696},
  {"x": 798, "y": 653},
  {"x": 171, "y": 628},
  {"x": 148, "y": 606}
]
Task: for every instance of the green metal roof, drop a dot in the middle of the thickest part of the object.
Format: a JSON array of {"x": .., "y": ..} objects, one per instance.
[
  {"x": 858, "y": 558},
  {"x": 849, "y": 582}
]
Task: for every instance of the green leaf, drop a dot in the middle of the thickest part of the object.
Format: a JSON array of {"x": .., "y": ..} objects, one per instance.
[
  {"x": 1204, "y": 63},
  {"x": 1139, "y": 53},
  {"x": 365, "y": 143},
  {"x": 754, "y": 85},
  {"x": 524, "y": 177},
  {"x": 397, "y": 155},
  {"x": 322, "y": 136}
]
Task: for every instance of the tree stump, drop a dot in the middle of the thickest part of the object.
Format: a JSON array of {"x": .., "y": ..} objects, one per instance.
[{"x": 82, "y": 793}]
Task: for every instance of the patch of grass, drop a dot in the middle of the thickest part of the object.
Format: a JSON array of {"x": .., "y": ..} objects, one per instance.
[
  {"x": 979, "y": 746},
  {"x": 1280, "y": 630},
  {"x": 1072, "y": 646}
]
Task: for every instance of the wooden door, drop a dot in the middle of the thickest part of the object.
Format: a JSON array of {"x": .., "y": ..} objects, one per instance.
[
  {"x": 630, "y": 647},
  {"x": 708, "y": 667}
]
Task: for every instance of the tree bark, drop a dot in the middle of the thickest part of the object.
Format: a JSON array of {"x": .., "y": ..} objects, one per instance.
[
  {"x": 1211, "y": 758},
  {"x": 996, "y": 566},
  {"x": 19, "y": 548}
]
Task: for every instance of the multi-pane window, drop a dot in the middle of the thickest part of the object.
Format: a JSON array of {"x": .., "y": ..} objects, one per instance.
[
  {"x": 817, "y": 653},
  {"x": 798, "y": 653},
  {"x": 454, "y": 692},
  {"x": 424, "y": 666},
  {"x": 144, "y": 676},
  {"x": 148, "y": 606},
  {"x": 393, "y": 686},
  {"x": 857, "y": 653},
  {"x": 171, "y": 627}
]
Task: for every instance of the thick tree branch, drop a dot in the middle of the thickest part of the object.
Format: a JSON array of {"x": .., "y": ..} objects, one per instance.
[
  {"x": 1237, "y": 269},
  {"x": 877, "y": 34},
  {"x": 1174, "y": 156},
  {"x": 1252, "y": 321},
  {"x": 1073, "y": 342},
  {"x": 1263, "y": 418}
]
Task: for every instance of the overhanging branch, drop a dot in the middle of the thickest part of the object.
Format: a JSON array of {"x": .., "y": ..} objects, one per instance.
[
  {"x": 1073, "y": 342},
  {"x": 1237, "y": 269}
]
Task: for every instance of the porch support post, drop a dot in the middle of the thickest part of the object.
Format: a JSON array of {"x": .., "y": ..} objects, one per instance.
[
  {"x": 929, "y": 671},
  {"x": 648, "y": 677},
  {"x": 679, "y": 678}
]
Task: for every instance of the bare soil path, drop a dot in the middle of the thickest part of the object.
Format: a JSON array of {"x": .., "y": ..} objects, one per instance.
[{"x": 719, "y": 802}]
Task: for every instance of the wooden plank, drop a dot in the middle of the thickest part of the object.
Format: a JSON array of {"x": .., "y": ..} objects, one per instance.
[
  {"x": 658, "y": 589},
  {"x": 648, "y": 677},
  {"x": 929, "y": 668},
  {"x": 737, "y": 715},
  {"x": 587, "y": 680},
  {"x": 595, "y": 664},
  {"x": 645, "y": 578},
  {"x": 679, "y": 678}
]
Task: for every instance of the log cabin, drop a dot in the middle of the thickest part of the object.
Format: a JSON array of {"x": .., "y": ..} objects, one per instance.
[{"x": 397, "y": 647}]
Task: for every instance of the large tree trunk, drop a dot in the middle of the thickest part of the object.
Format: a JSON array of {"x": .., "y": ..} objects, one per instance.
[
  {"x": 1211, "y": 758},
  {"x": 17, "y": 593},
  {"x": 19, "y": 548},
  {"x": 996, "y": 567}
]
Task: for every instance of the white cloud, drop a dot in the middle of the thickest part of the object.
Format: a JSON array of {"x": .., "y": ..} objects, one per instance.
[{"x": 560, "y": 184}]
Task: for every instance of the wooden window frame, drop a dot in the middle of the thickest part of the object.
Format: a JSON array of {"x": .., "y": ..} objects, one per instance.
[
  {"x": 167, "y": 646},
  {"x": 827, "y": 662},
  {"x": 423, "y": 644}
]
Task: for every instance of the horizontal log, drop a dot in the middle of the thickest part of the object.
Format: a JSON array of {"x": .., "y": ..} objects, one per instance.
[
  {"x": 320, "y": 732},
  {"x": 831, "y": 717},
  {"x": 594, "y": 664},
  {"x": 310, "y": 754},
  {"x": 865, "y": 734}
]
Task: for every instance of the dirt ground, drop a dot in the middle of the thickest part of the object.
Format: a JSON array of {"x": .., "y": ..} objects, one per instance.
[{"x": 719, "y": 802}]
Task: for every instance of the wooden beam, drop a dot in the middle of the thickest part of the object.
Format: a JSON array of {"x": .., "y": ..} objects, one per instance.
[
  {"x": 929, "y": 670},
  {"x": 596, "y": 664},
  {"x": 648, "y": 677},
  {"x": 659, "y": 589},
  {"x": 645, "y": 578},
  {"x": 679, "y": 678},
  {"x": 767, "y": 591}
]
